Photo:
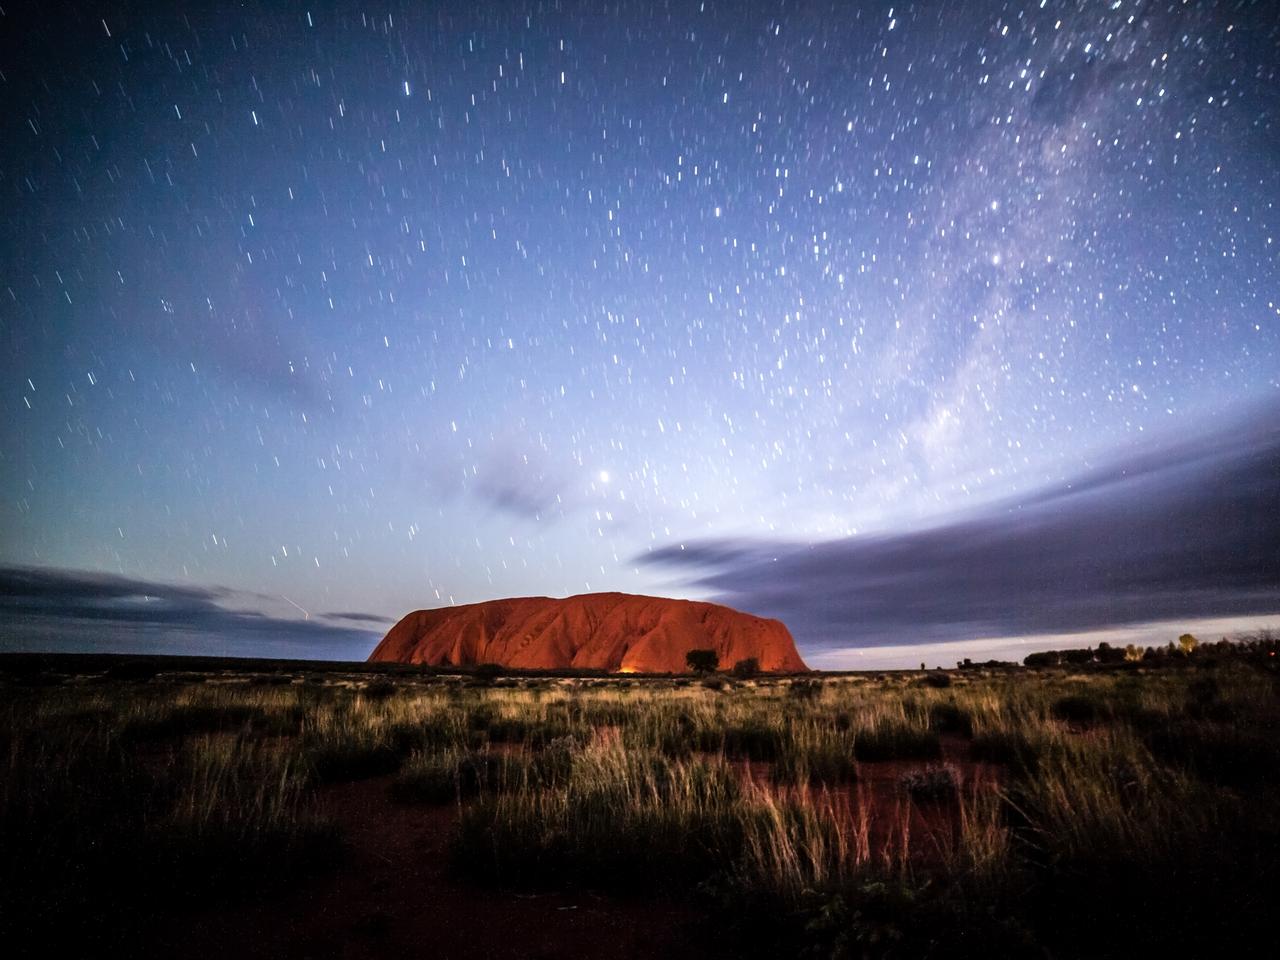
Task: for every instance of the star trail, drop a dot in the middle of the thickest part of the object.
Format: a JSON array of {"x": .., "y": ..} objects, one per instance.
[{"x": 367, "y": 308}]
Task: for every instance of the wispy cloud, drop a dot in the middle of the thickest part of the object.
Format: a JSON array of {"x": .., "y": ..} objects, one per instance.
[
  {"x": 1176, "y": 530},
  {"x": 357, "y": 617},
  {"x": 67, "y": 610},
  {"x": 507, "y": 476}
]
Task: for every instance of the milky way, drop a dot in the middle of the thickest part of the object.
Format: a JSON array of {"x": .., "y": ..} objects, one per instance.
[{"x": 336, "y": 310}]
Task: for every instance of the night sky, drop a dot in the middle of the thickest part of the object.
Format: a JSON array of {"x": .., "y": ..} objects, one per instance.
[{"x": 906, "y": 323}]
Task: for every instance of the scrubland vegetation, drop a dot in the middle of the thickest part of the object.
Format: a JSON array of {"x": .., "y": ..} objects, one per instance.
[{"x": 1003, "y": 813}]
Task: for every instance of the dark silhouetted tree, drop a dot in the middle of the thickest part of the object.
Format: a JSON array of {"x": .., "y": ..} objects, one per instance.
[{"x": 702, "y": 661}]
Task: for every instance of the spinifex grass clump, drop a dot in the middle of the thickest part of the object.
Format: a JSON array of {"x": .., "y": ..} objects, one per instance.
[
  {"x": 816, "y": 754},
  {"x": 379, "y": 689},
  {"x": 622, "y": 818},
  {"x": 351, "y": 754},
  {"x": 238, "y": 809},
  {"x": 452, "y": 775},
  {"x": 533, "y": 731},
  {"x": 752, "y": 739},
  {"x": 948, "y": 717},
  {"x": 1077, "y": 708},
  {"x": 896, "y": 741},
  {"x": 1101, "y": 818},
  {"x": 353, "y": 737},
  {"x": 172, "y": 713},
  {"x": 1007, "y": 748}
]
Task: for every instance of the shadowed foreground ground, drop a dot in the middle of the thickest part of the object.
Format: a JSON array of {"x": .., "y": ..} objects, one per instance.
[
  {"x": 394, "y": 895},
  {"x": 161, "y": 808}
]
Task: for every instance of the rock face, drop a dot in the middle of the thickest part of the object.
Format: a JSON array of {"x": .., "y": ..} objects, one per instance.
[{"x": 596, "y": 631}]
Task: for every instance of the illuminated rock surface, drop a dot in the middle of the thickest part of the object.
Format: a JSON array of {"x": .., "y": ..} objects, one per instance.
[{"x": 598, "y": 631}]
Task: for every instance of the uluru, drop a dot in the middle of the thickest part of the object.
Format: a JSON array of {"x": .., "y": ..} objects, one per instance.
[{"x": 616, "y": 632}]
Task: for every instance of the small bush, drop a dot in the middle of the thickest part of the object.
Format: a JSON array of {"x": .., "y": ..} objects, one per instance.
[
  {"x": 534, "y": 733},
  {"x": 753, "y": 740},
  {"x": 624, "y": 820},
  {"x": 380, "y": 689},
  {"x": 950, "y": 718},
  {"x": 829, "y": 762},
  {"x": 938, "y": 679},
  {"x": 1006, "y": 748},
  {"x": 408, "y": 736},
  {"x": 1205, "y": 702},
  {"x": 804, "y": 689},
  {"x": 454, "y": 775},
  {"x": 747, "y": 668},
  {"x": 554, "y": 762},
  {"x": 673, "y": 734}
]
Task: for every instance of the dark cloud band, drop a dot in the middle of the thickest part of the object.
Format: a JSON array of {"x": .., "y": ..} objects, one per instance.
[
  {"x": 1183, "y": 529},
  {"x": 77, "y": 611}
]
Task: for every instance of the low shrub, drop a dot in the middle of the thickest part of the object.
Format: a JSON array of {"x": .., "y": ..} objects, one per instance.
[
  {"x": 624, "y": 820},
  {"x": 449, "y": 776},
  {"x": 1007, "y": 748},
  {"x": 828, "y": 762},
  {"x": 407, "y": 736},
  {"x": 753, "y": 740},
  {"x": 1077, "y": 709},
  {"x": 747, "y": 668},
  {"x": 804, "y": 690},
  {"x": 379, "y": 689},
  {"x": 950, "y": 718}
]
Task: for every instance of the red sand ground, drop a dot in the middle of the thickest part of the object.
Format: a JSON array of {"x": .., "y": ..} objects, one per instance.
[
  {"x": 394, "y": 896},
  {"x": 925, "y": 830}
]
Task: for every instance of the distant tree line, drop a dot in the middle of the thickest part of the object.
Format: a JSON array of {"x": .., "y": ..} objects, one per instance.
[
  {"x": 1265, "y": 644},
  {"x": 967, "y": 664}
]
